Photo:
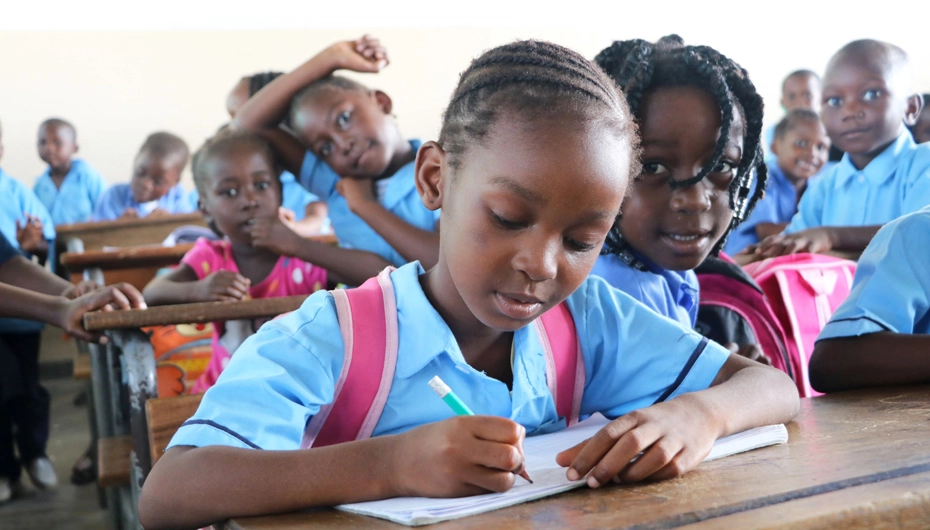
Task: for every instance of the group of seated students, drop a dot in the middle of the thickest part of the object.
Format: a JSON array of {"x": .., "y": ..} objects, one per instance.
[{"x": 586, "y": 190}]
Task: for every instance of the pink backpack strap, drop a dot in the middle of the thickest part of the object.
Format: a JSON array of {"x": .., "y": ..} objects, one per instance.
[
  {"x": 368, "y": 324},
  {"x": 565, "y": 372}
]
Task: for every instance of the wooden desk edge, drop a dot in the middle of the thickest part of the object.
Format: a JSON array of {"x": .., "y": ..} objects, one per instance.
[{"x": 191, "y": 313}]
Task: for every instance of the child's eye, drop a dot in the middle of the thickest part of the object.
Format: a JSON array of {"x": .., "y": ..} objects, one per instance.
[
  {"x": 724, "y": 167},
  {"x": 343, "y": 119},
  {"x": 231, "y": 192},
  {"x": 833, "y": 102},
  {"x": 262, "y": 185},
  {"x": 801, "y": 143},
  {"x": 654, "y": 168},
  {"x": 871, "y": 95},
  {"x": 326, "y": 149},
  {"x": 506, "y": 223},
  {"x": 578, "y": 246}
]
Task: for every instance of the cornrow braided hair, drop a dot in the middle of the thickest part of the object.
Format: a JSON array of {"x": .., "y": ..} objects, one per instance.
[
  {"x": 259, "y": 80},
  {"x": 639, "y": 66},
  {"x": 532, "y": 79}
]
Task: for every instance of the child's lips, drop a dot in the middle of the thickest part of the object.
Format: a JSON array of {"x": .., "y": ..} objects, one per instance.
[{"x": 518, "y": 306}]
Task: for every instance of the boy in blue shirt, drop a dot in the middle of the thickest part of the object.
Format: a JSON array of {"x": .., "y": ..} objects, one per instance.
[
  {"x": 881, "y": 334},
  {"x": 154, "y": 188},
  {"x": 69, "y": 188},
  {"x": 867, "y": 102},
  {"x": 801, "y": 89},
  {"x": 24, "y": 221},
  {"x": 801, "y": 148}
]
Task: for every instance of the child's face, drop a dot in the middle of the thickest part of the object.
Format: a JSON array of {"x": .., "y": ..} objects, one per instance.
[
  {"x": 153, "y": 177},
  {"x": 56, "y": 145},
  {"x": 920, "y": 130},
  {"x": 350, "y": 130},
  {"x": 523, "y": 218},
  {"x": 677, "y": 229},
  {"x": 863, "y": 110},
  {"x": 803, "y": 150},
  {"x": 241, "y": 186},
  {"x": 801, "y": 92}
]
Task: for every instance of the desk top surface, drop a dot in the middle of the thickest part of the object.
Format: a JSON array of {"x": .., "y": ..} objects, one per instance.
[
  {"x": 191, "y": 313},
  {"x": 861, "y": 442}
]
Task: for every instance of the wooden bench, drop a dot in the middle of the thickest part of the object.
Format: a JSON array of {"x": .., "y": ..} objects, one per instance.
[
  {"x": 113, "y": 461},
  {"x": 165, "y": 416}
]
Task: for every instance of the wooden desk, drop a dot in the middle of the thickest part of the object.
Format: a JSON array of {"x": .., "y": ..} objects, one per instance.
[
  {"x": 133, "y": 265},
  {"x": 124, "y": 232},
  {"x": 852, "y": 458}
]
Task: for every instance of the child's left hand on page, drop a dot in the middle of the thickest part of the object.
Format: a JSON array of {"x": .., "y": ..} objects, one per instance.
[{"x": 674, "y": 437}]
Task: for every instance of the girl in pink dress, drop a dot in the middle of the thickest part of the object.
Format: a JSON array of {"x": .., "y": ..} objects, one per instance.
[{"x": 237, "y": 178}]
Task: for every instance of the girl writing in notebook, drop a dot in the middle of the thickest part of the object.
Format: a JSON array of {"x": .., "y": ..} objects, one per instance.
[{"x": 534, "y": 158}]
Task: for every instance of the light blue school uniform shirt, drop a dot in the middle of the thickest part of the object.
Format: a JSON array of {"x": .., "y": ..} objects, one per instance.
[
  {"x": 397, "y": 194},
  {"x": 119, "y": 197},
  {"x": 891, "y": 289},
  {"x": 293, "y": 196},
  {"x": 672, "y": 294},
  {"x": 895, "y": 183},
  {"x": 281, "y": 376},
  {"x": 16, "y": 200},
  {"x": 78, "y": 197}
]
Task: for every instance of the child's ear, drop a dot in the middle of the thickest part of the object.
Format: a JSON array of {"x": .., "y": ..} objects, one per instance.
[
  {"x": 915, "y": 104},
  {"x": 383, "y": 100},
  {"x": 774, "y": 147},
  {"x": 430, "y": 172}
]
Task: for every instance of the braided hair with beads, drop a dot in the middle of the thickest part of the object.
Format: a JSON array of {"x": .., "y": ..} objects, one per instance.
[
  {"x": 639, "y": 66},
  {"x": 532, "y": 79}
]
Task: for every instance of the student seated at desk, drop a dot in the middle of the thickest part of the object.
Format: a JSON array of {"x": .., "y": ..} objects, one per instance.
[
  {"x": 28, "y": 291},
  {"x": 534, "y": 157},
  {"x": 237, "y": 176},
  {"x": 70, "y": 189},
  {"x": 881, "y": 334},
  {"x": 348, "y": 144},
  {"x": 867, "y": 101},
  {"x": 154, "y": 188}
]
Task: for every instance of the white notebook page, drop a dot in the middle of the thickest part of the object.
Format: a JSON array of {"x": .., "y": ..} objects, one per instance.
[{"x": 549, "y": 477}]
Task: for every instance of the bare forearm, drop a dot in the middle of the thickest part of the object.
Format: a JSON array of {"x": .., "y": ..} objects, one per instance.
[
  {"x": 25, "y": 274},
  {"x": 774, "y": 399},
  {"x": 409, "y": 241},
  {"x": 31, "y": 305},
  {"x": 191, "y": 487},
  {"x": 764, "y": 230},
  {"x": 876, "y": 359},
  {"x": 344, "y": 265},
  {"x": 852, "y": 237},
  {"x": 164, "y": 292}
]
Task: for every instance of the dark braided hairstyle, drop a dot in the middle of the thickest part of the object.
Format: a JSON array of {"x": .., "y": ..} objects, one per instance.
[
  {"x": 639, "y": 66},
  {"x": 259, "y": 80},
  {"x": 532, "y": 79}
]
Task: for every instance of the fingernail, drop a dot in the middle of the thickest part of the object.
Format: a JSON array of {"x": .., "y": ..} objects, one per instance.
[
  {"x": 572, "y": 474},
  {"x": 592, "y": 482}
]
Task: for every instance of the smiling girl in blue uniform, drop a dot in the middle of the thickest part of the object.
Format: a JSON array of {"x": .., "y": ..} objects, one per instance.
[{"x": 532, "y": 163}]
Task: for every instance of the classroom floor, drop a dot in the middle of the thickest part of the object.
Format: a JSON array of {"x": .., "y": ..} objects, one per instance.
[{"x": 69, "y": 506}]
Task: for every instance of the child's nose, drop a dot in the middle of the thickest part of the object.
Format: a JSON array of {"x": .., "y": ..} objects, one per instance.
[
  {"x": 691, "y": 199},
  {"x": 538, "y": 258}
]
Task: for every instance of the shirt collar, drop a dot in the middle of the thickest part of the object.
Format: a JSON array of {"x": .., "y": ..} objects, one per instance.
[{"x": 880, "y": 167}]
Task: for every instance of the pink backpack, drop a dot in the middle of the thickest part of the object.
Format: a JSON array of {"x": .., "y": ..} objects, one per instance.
[
  {"x": 804, "y": 291},
  {"x": 371, "y": 356},
  {"x": 734, "y": 309}
]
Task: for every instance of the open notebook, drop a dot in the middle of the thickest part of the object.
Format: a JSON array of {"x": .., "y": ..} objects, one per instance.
[{"x": 548, "y": 477}]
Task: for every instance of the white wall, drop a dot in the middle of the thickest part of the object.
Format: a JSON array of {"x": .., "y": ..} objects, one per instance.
[{"x": 121, "y": 76}]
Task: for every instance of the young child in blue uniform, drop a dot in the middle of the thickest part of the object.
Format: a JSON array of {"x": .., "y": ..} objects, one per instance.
[
  {"x": 154, "y": 188},
  {"x": 881, "y": 334},
  {"x": 29, "y": 291},
  {"x": 801, "y": 149},
  {"x": 801, "y": 89},
  {"x": 533, "y": 160},
  {"x": 697, "y": 170},
  {"x": 345, "y": 130},
  {"x": 921, "y": 129},
  {"x": 867, "y": 101},
  {"x": 24, "y": 220},
  {"x": 70, "y": 189}
]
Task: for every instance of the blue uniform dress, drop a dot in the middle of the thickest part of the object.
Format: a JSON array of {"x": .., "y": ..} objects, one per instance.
[
  {"x": 399, "y": 196},
  {"x": 119, "y": 197},
  {"x": 672, "y": 294},
  {"x": 891, "y": 290},
  {"x": 79, "y": 194},
  {"x": 895, "y": 183},
  {"x": 16, "y": 200},
  {"x": 282, "y": 375}
]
